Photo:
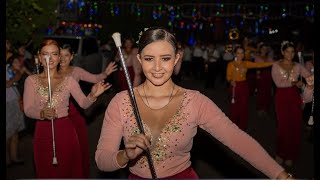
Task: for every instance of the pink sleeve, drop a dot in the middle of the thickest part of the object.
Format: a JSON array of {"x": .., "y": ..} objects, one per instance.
[
  {"x": 110, "y": 137},
  {"x": 213, "y": 120},
  {"x": 258, "y": 59},
  {"x": 31, "y": 109},
  {"x": 307, "y": 95},
  {"x": 303, "y": 71},
  {"x": 277, "y": 77},
  {"x": 87, "y": 76},
  {"x": 76, "y": 92},
  {"x": 270, "y": 59}
]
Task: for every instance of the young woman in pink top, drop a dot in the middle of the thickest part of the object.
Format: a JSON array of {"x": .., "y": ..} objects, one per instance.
[
  {"x": 66, "y": 55},
  {"x": 170, "y": 115},
  {"x": 36, "y": 106},
  {"x": 288, "y": 103}
]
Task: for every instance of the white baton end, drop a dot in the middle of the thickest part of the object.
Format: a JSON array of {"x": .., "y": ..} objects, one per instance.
[
  {"x": 47, "y": 57},
  {"x": 54, "y": 161},
  {"x": 117, "y": 39},
  {"x": 299, "y": 54}
]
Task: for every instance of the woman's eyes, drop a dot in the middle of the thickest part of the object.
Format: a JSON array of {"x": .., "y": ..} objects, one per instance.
[
  {"x": 148, "y": 59},
  {"x": 52, "y": 54},
  {"x": 164, "y": 59}
]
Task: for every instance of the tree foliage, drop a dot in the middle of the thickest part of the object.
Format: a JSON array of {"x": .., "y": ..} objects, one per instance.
[{"x": 25, "y": 18}]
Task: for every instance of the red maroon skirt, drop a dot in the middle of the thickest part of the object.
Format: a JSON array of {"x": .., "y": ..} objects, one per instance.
[
  {"x": 289, "y": 122},
  {"x": 188, "y": 173},
  {"x": 81, "y": 129},
  {"x": 67, "y": 150}
]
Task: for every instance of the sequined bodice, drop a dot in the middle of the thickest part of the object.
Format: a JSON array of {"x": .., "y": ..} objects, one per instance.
[
  {"x": 290, "y": 75},
  {"x": 163, "y": 146},
  {"x": 57, "y": 92},
  {"x": 240, "y": 69}
]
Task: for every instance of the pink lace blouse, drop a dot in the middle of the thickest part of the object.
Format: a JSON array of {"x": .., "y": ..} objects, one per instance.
[
  {"x": 83, "y": 75},
  {"x": 171, "y": 154},
  {"x": 283, "y": 78},
  {"x": 35, "y": 96}
]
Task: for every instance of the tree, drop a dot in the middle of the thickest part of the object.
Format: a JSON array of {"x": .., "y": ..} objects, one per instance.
[{"x": 29, "y": 18}]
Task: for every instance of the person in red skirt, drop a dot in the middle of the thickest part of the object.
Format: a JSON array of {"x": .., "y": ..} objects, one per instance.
[
  {"x": 239, "y": 90},
  {"x": 249, "y": 54},
  {"x": 288, "y": 103},
  {"x": 57, "y": 153},
  {"x": 134, "y": 68},
  {"x": 66, "y": 69},
  {"x": 264, "y": 80}
]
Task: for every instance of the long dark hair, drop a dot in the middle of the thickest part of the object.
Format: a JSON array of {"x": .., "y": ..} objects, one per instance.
[{"x": 68, "y": 47}]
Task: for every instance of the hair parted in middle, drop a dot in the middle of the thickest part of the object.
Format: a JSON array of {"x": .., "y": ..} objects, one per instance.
[{"x": 154, "y": 34}]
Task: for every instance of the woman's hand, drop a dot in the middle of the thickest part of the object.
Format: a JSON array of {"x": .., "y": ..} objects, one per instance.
[
  {"x": 233, "y": 83},
  {"x": 135, "y": 145},
  {"x": 284, "y": 176},
  {"x": 48, "y": 113},
  {"x": 310, "y": 80},
  {"x": 98, "y": 88},
  {"x": 299, "y": 84},
  {"x": 112, "y": 67}
]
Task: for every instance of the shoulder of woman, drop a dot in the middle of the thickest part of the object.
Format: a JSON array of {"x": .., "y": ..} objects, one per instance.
[
  {"x": 135, "y": 50},
  {"x": 192, "y": 93},
  {"x": 121, "y": 98},
  {"x": 33, "y": 77},
  {"x": 276, "y": 62}
]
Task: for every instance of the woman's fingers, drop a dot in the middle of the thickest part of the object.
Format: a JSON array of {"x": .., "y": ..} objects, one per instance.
[{"x": 140, "y": 141}]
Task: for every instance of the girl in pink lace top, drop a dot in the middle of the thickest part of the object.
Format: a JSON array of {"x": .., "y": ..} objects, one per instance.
[
  {"x": 170, "y": 115},
  {"x": 285, "y": 74},
  {"x": 36, "y": 106},
  {"x": 66, "y": 54}
]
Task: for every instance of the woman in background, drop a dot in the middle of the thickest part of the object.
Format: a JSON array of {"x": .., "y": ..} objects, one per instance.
[
  {"x": 14, "y": 111},
  {"x": 288, "y": 103},
  {"x": 37, "y": 106},
  {"x": 263, "y": 80},
  {"x": 66, "y": 69},
  {"x": 132, "y": 64},
  {"x": 239, "y": 90}
]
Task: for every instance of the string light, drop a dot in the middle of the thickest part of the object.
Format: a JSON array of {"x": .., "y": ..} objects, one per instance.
[{"x": 194, "y": 16}]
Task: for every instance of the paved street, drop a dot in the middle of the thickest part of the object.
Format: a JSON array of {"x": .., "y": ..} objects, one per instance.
[{"x": 210, "y": 158}]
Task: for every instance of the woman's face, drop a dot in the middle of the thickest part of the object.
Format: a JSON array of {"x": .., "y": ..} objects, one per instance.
[
  {"x": 65, "y": 57},
  {"x": 158, "y": 60},
  {"x": 288, "y": 53},
  {"x": 53, "y": 52},
  {"x": 264, "y": 50},
  {"x": 128, "y": 44},
  {"x": 8, "y": 45},
  {"x": 239, "y": 54},
  {"x": 21, "y": 50},
  {"x": 16, "y": 65}
]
